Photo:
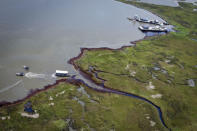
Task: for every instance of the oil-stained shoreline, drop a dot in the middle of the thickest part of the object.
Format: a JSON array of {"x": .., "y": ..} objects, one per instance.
[{"x": 89, "y": 76}]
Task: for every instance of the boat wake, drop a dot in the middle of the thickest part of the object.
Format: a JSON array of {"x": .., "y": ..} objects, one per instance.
[
  {"x": 31, "y": 75},
  {"x": 53, "y": 75},
  {"x": 11, "y": 86}
]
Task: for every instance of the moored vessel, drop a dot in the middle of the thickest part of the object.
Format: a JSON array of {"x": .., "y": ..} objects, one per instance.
[{"x": 153, "y": 29}]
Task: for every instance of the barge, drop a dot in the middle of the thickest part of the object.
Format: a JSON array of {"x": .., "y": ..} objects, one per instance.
[
  {"x": 143, "y": 20},
  {"x": 61, "y": 73},
  {"x": 153, "y": 29}
]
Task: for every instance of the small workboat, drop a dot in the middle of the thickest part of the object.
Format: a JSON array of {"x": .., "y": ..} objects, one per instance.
[
  {"x": 61, "y": 73},
  {"x": 20, "y": 74},
  {"x": 25, "y": 67},
  {"x": 136, "y": 18},
  {"x": 156, "y": 22},
  {"x": 153, "y": 29},
  {"x": 143, "y": 20}
]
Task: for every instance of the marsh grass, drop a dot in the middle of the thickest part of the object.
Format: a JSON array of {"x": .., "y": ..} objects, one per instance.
[{"x": 174, "y": 54}]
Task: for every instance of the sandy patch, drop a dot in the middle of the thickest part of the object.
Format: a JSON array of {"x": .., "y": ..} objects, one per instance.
[
  {"x": 148, "y": 117},
  {"x": 50, "y": 98},
  {"x": 127, "y": 67},
  {"x": 132, "y": 73},
  {"x": 24, "y": 114},
  {"x": 60, "y": 93},
  {"x": 156, "y": 96},
  {"x": 152, "y": 123},
  {"x": 5, "y": 117},
  {"x": 52, "y": 104},
  {"x": 150, "y": 86},
  {"x": 167, "y": 61},
  {"x": 191, "y": 82}
]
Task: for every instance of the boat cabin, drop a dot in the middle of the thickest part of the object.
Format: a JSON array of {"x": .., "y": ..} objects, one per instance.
[{"x": 61, "y": 73}]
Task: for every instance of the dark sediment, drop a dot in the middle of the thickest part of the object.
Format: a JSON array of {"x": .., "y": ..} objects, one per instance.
[
  {"x": 31, "y": 93},
  {"x": 89, "y": 76},
  {"x": 106, "y": 89}
]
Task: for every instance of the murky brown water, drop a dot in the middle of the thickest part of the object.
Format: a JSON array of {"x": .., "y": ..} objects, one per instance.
[{"x": 45, "y": 34}]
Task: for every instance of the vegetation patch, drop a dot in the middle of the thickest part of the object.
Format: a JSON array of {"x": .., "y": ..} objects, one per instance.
[
  {"x": 160, "y": 69},
  {"x": 100, "y": 112},
  {"x": 167, "y": 62}
]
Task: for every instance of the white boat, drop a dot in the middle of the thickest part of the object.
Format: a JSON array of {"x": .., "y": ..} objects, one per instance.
[
  {"x": 144, "y": 20},
  {"x": 26, "y": 67},
  {"x": 61, "y": 73},
  {"x": 20, "y": 74},
  {"x": 153, "y": 29}
]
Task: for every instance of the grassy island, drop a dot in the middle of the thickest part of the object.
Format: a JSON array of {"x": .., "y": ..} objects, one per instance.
[
  {"x": 162, "y": 69},
  {"x": 67, "y": 106}
]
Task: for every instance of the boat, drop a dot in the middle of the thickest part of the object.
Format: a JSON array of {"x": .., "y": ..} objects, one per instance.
[
  {"x": 20, "y": 74},
  {"x": 156, "y": 22},
  {"x": 153, "y": 29},
  {"x": 26, "y": 67},
  {"x": 61, "y": 73},
  {"x": 143, "y": 20},
  {"x": 136, "y": 18}
]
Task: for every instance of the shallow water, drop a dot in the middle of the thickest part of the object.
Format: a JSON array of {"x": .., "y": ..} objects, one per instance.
[{"x": 45, "y": 34}]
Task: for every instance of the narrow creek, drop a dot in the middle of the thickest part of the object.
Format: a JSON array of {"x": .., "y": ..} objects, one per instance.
[
  {"x": 84, "y": 79},
  {"x": 47, "y": 48}
]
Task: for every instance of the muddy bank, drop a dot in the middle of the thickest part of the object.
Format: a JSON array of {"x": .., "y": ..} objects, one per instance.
[
  {"x": 31, "y": 93},
  {"x": 90, "y": 74}
]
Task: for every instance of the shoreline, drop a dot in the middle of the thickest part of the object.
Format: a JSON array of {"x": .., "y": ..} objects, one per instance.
[
  {"x": 82, "y": 50},
  {"x": 71, "y": 61},
  {"x": 89, "y": 76},
  {"x": 30, "y": 94},
  {"x": 153, "y": 71}
]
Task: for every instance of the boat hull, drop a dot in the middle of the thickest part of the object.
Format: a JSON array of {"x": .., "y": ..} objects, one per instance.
[
  {"x": 154, "y": 30},
  {"x": 151, "y": 30},
  {"x": 61, "y": 75}
]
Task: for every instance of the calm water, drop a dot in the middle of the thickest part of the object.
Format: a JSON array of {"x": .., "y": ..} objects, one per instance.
[{"x": 45, "y": 34}]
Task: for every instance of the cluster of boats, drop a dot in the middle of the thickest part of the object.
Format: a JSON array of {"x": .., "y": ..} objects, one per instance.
[
  {"x": 143, "y": 20},
  {"x": 22, "y": 73},
  {"x": 159, "y": 26},
  {"x": 58, "y": 73}
]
